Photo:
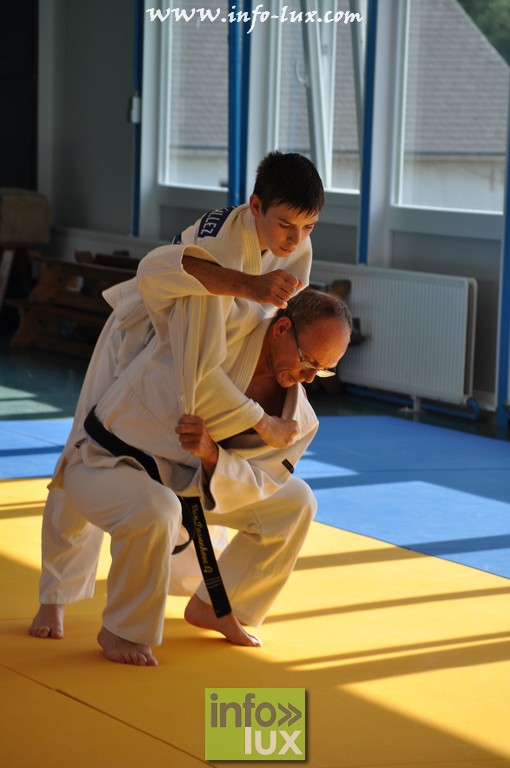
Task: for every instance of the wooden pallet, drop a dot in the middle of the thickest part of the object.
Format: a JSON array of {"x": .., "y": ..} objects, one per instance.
[{"x": 65, "y": 311}]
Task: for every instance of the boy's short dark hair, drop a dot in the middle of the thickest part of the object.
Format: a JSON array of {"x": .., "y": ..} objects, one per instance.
[{"x": 289, "y": 179}]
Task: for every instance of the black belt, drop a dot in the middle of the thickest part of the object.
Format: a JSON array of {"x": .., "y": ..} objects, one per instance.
[{"x": 193, "y": 517}]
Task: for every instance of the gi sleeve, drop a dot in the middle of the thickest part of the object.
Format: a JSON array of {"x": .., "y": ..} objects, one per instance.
[
  {"x": 238, "y": 482},
  {"x": 162, "y": 279},
  {"x": 217, "y": 237},
  {"x": 196, "y": 331}
]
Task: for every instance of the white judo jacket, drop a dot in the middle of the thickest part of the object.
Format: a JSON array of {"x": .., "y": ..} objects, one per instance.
[
  {"x": 169, "y": 379},
  {"x": 229, "y": 238},
  {"x": 165, "y": 381}
]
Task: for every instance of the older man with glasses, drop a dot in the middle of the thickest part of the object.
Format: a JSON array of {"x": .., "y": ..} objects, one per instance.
[{"x": 242, "y": 482}]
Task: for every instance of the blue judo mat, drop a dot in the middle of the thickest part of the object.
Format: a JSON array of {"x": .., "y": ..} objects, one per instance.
[
  {"x": 31, "y": 447},
  {"x": 424, "y": 488},
  {"x": 432, "y": 490}
]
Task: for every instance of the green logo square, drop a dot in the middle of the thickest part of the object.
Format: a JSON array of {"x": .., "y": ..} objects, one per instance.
[{"x": 255, "y": 724}]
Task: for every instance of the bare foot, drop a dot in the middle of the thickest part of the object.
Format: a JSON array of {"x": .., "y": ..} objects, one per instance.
[
  {"x": 48, "y": 622},
  {"x": 200, "y": 614},
  {"x": 125, "y": 652}
]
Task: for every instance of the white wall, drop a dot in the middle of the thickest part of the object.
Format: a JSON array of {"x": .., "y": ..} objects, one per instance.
[{"x": 86, "y": 143}]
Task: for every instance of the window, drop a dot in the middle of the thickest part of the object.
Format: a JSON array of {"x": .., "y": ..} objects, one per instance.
[
  {"x": 293, "y": 129},
  {"x": 348, "y": 106},
  {"x": 194, "y": 125},
  {"x": 318, "y": 108},
  {"x": 455, "y": 109}
]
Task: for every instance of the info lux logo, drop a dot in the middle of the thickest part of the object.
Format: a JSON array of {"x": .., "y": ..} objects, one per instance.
[{"x": 255, "y": 724}]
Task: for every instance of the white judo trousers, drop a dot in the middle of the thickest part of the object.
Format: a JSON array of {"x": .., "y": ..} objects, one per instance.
[
  {"x": 70, "y": 543},
  {"x": 144, "y": 525}
]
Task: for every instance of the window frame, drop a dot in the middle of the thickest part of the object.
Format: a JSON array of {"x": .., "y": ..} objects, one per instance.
[{"x": 341, "y": 205}]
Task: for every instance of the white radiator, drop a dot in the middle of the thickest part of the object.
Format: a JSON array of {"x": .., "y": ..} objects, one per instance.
[{"x": 420, "y": 329}]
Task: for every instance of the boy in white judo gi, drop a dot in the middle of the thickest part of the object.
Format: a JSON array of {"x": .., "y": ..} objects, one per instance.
[
  {"x": 244, "y": 483},
  {"x": 231, "y": 253}
]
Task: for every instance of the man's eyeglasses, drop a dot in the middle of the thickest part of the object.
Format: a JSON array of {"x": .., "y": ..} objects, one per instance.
[{"x": 321, "y": 372}]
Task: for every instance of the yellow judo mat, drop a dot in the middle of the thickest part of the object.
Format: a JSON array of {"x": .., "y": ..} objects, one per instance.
[{"x": 405, "y": 659}]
